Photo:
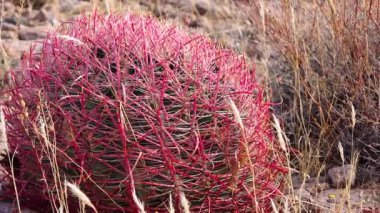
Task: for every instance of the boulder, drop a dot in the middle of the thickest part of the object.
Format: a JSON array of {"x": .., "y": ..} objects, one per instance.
[{"x": 340, "y": 176}]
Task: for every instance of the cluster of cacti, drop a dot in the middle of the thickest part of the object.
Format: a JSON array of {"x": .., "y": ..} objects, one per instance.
[{"x": 133, "y": 110}]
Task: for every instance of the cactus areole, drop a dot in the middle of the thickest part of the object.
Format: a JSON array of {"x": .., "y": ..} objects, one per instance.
[{"x": 141, "y": 116}]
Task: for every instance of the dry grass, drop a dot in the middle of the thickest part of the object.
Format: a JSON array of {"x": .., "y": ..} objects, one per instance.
[
  {"x": 331, "y": 89},
  {"x": 84, "y": 200},
  {"x": 329, "y": 92}
]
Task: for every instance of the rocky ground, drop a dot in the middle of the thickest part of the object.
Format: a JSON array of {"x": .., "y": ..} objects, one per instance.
[
  {"x": 229, "y": 26},
  {"x": 330, "y": 194}
]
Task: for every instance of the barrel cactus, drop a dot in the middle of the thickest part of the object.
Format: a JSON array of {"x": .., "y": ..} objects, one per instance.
[{"x": 141, "y": 116}]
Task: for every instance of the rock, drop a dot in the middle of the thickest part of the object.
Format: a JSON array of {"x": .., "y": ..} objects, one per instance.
[
  {"x": 10, "y": 20},
  {"x": 165, "y": 11},
  {"x": 8, "y": 35},
  {"x": 173, "y": 2},
  {"x": 315, "y": 188},
  {"x": 203, "y": 6},
  {"x": 27, "y": 35},
  {"x": 8, "y": 27},
  {"x": 340, "y": 176},
  {"x": 9, "y": 9},
  {"x": 17, "y": 46},
  {"x": 67, "y": 5},
  {"x": 146, "y": 5},
  {"x": 302, "y": 194},
  {"x": 370, "y": 209},
  {"x": 9, "y": 207},
  {"x": 35, "y": 4},
  {"x": 37, "y": 17},
  {"x": 46, "y": 15},
  {"x": 41, "y": 16},
  {"x": 16, "y": 20},
  {"x": 198, "y": 22},
  {"x": 28, "y": 13},
  {"x": 33, "y": 33}
]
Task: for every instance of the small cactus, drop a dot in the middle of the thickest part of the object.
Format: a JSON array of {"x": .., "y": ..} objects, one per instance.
[{"x": 141, "y": 115}]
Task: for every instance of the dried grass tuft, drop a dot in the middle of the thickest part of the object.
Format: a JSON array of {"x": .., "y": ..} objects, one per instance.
[
  {"x": 75, "y": 190},
  {"x": 184, "y": 202},
  {"x": 3, "y": 134}
]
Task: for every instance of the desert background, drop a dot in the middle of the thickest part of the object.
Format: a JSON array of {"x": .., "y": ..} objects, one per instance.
[{"x": 318, "y": 60}]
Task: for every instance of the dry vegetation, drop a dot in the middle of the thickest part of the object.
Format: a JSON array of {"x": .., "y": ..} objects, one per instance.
[
  {"x": 332, "y": 82},
  {"x": 320, "y": 61},
  {"x": 329, "y": 91}
]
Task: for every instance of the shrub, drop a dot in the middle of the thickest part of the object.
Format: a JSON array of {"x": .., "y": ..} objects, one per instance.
[
  {"x": 130, "y": 109},
  {"x": 330, "y": 92}
]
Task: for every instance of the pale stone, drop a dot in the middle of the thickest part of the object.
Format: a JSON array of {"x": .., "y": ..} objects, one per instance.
[{"x": 340, "y": 176}]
